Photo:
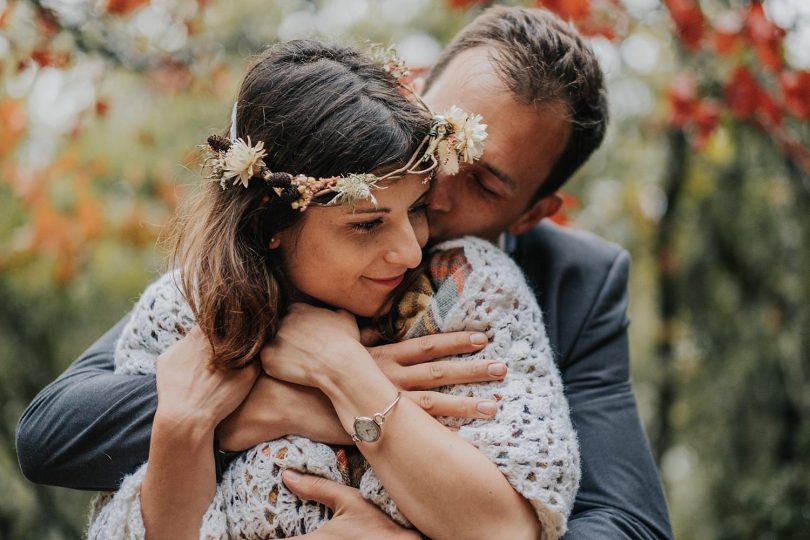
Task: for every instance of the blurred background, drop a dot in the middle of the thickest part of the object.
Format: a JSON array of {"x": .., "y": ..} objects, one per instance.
[{"x": 704, "y": 178}]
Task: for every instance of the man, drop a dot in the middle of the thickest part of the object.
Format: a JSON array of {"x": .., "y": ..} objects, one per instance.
[{"x": 541, "y": 92}]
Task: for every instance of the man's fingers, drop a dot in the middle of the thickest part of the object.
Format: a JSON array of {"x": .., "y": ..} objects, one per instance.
[
  {"x": 438, "y": 404},
  {"x": 442, "y": 372},
  {"x": 421, "y": 349},
  {"x": 317, "y": 488}
]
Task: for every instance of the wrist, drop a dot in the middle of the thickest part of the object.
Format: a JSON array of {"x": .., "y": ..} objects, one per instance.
[
  {"x": 346, "y": 363},
  {"x": 188, "y": 427},
  {"x": 362, "y": 395}
]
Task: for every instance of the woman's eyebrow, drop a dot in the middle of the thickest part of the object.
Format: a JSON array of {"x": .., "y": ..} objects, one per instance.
[{"x": 370, "y": 211}]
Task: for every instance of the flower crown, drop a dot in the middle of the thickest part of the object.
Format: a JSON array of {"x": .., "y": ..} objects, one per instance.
[{"x": 454, "y": 137}]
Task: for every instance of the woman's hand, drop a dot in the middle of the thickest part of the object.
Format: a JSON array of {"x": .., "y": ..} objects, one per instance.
[
  {"x": 191, "y": 391},
  {"x": 298, "y": 354}
]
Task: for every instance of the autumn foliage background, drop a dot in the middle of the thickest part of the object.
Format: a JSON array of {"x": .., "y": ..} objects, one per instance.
[{"x": 704, "y": 177}]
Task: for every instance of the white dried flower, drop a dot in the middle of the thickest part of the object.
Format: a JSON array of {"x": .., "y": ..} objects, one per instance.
[
  {"x": 241, "y": 161},
  {"x": 353, "y": 188},
  {"x": 469, "y": 133}
]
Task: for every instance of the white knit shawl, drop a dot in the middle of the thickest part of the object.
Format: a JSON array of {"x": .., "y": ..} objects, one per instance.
[{"x": 531, "y": 438}]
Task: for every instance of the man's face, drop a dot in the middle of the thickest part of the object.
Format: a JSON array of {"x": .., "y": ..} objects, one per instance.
[{"x": 523, "y": 143}]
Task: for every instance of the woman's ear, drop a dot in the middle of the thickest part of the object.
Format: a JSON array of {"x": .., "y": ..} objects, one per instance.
[
  {"x": 275, "y": 242},
  {"x": 545, "y": 207}
]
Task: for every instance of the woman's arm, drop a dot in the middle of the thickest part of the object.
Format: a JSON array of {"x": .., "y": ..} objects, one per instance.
[
  {"x": 169, "y": 497},
  {"x": 444, "y": 485},
  {"x": 181, "y": 473}
]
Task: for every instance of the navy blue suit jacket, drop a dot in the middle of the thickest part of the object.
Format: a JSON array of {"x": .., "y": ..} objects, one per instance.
[{"x": 90, "y": 427}]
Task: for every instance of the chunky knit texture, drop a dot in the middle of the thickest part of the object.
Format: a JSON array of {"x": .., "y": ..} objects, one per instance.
[{"x": 469, "y": 285}]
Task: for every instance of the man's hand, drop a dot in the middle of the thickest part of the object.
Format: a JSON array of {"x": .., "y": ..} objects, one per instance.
[
  {"x": 274, "y": 408},
  {"x": 354, "y": 518},
  {"x": 413, "y": 367}
]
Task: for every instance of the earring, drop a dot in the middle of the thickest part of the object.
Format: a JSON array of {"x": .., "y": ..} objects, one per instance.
[{"x": 274, "y": 242}]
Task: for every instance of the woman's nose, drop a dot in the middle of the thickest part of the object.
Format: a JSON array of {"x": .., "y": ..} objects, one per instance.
[{"x": 407, "y": 251}]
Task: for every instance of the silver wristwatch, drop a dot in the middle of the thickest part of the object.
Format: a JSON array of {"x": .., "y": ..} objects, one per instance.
[{"x": 369, "y": 428}]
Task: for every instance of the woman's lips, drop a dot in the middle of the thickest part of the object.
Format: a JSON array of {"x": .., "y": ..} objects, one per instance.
[{"x": 388, "y": 282}]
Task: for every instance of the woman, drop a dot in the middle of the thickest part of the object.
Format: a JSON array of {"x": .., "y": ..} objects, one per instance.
[{"x": 341, "y": 227}]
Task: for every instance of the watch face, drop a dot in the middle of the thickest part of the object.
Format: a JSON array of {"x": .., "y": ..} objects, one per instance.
[{"x": 366, "y": 429}]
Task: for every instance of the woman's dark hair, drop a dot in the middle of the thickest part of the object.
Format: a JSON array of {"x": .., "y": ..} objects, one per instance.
[{"x": 321, "y": 110}]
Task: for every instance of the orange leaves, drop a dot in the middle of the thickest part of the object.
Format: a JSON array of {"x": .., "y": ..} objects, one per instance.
[
  {"x": 46, "y": 57},
  {"x": 66, "y": 215},
  {"x": 124, "y": 7},
  {"x": 14, "y": 122},
  {"x": 569, "y": 202},
  {"x": 5, "y": 15},
  {"x": 171, "y": 77}
]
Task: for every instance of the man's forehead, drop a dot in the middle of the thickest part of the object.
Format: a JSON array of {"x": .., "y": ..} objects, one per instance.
[{"x": 470, "y": 74}]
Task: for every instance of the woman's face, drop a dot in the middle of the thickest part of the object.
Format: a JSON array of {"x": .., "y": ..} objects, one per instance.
[{"x": 353, "y": 259}]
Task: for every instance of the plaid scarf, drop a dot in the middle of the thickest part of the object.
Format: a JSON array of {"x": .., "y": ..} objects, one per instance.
[{"x": 424, "y": 307}]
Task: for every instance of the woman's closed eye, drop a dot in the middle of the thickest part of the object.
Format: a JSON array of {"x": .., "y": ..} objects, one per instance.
[
  {"x": 367, "y": 226},
  {"x": 417, "y": 210}
]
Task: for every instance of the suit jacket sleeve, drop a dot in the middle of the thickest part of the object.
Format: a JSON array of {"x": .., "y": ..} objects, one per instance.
[
  {"x": 90, "y": 427},
  {"x": 582, "y": 287}
]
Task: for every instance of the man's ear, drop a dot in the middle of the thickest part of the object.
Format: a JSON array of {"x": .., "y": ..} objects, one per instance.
[{"x": 545, "y": 207}]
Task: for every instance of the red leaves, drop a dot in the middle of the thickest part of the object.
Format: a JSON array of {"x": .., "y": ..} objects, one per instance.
[
  {"x": 592, "y": 17},
  {"x": 682, "y": 96},
  {"x": 124, "y": 7},
  {"x": 764, "y": 36},
  {"x": 102, "y": 107},
  {"x": 689, "y": 22},
  {"x": 747, "y": 100},
  {"x": 742, "y": 94},
  {"x": 570, "y": 10},
  {"x": 464, "y": 4},
  {"x": 796, "y": 89},
  {"x": 689, "y": 112}
]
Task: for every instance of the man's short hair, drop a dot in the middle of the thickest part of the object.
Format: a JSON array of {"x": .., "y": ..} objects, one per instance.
[{"x": 542, "y": 60}]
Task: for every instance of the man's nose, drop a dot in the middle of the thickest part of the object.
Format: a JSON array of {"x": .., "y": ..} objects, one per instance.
[{"x": 439, "y": 199}]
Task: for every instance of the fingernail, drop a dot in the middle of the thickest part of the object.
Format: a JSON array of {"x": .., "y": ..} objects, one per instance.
[
  {"x": 478, "y": 339},
  {"x": 497, "y": 369},
  {"x": 487, "y": 407},
  {"x": 291, "y": 475}
]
